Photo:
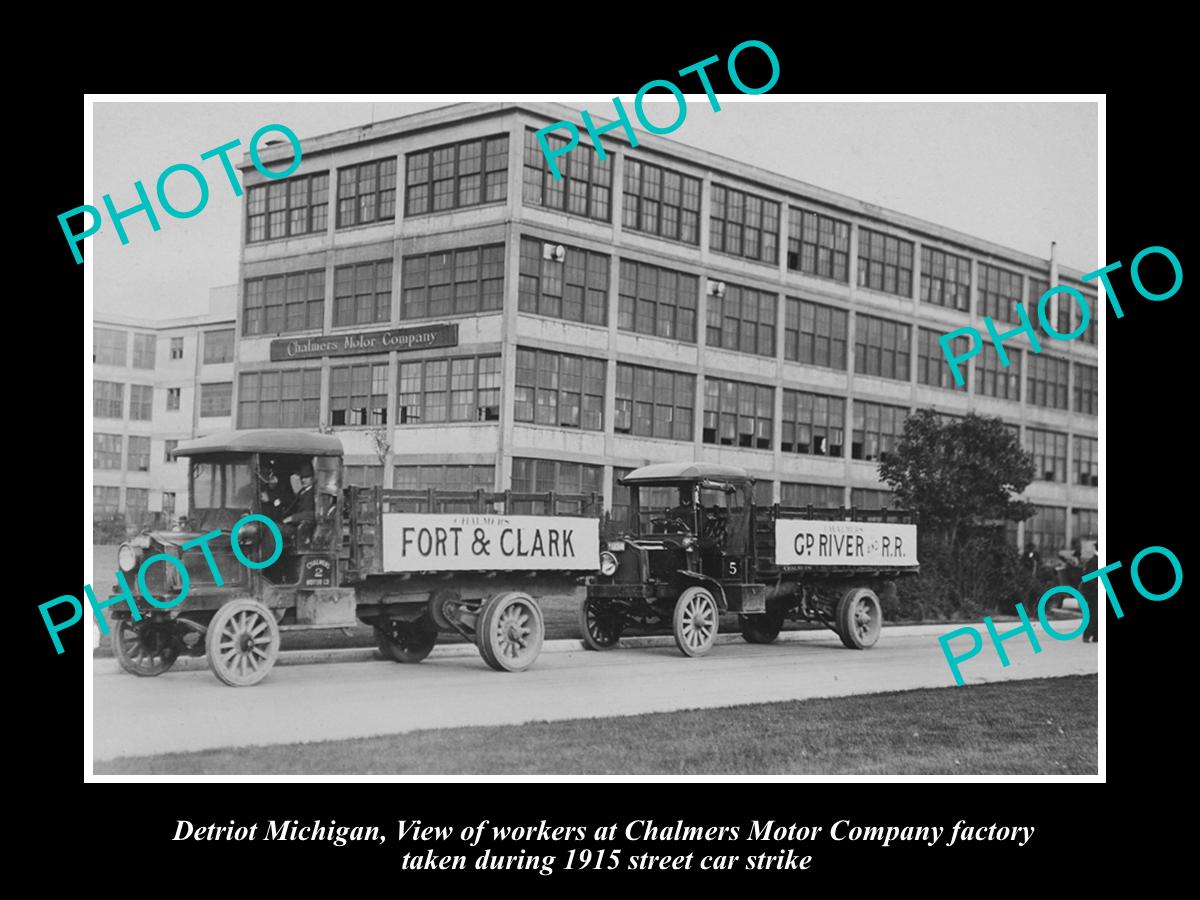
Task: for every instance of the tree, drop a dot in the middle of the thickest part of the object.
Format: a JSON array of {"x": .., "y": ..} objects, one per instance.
[{"x": 954, "y": 472}]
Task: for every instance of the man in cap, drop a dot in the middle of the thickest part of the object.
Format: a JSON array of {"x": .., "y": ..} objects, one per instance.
[{"x": 303, "y": 507}]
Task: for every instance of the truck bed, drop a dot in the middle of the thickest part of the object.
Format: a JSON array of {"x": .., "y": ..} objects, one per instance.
[{"x": 764, "y": 540}]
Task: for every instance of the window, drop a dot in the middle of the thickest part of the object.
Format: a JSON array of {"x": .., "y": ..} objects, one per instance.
[
  {"x": 1048, "y": 381},
  {"x": 764, "y": 492},
  {"x": 105, "y": 500},
  {"x": 999, "y": 293},
  {"x": 662, "y": 202},
  {"x": 884, "y": 263},
  {"x": 367, "y": 193},
  {"x": 649, "y": 498},
  {"x": 168, "y": 504},
  {"x": 585, "y": 188},
  {"x": 1087, "y": 397},
  {"x": 108, "y": 399},
  {"x": 877, "y": 429},
  {"x": 106, "y": 451},
  {"x": 932, "y": 366},
  {"x": 143, "y": 351},
  {"x": 362, "y": 293},
  {"x": 654, "y": 403},
  {"x": 813, "y": 423},
  {"x": 216, "y": 399},
  {"x": 818, "y": 245},
  {"x": 169, "y": 450},
  {"x": 822, "y": 496},
  {"x": 995, "y": 380},
  {"x": 870, "y": 498},
  {"x": 454, "y": 176},
  {"x": 139, "y": 453},
  {"x": 656, "y": 301},
  {"x": 742, "y": 320},
  {"x": 446, "y": 478},
  {"x": 108, "y": 346},
  {"x": 1090, "y": 334},
  {"x": 1046, "y": 530},
  {"x": 464, "y": 389},
  {"x": 738, "y": 414},
  {"x": 1049, "y": 451},
  {"x": 557, "y": 389},
  {"x": 1087, "y": 464},
  {"x": 141, "y": 402},
  {"x": 881, "y": 348},
  {"x": 287, "y": 207},
  {"x": 575, "y": 288},
  {"x": 363, "y": 476},
  {"x": 279, "y": 398},
  {"x": 1061, "y": 320},
  {"x": 541, "y": 475},
  {"x": 174, "y": 396},
  {"x": 815, "y": 334},
  {"x": 1085, "y": 523},
  {"x": 468, "y": 280},
  {"x": 218, "y": 346},
  {"x": 177, "y": 347},
  {"x": 281, "y": 303},
  {"x": 744, "y": 225},
  {"x": 945, "y": 279},
  {"x": 137, "y": 505},
  {"x": 358, "y": 394}
]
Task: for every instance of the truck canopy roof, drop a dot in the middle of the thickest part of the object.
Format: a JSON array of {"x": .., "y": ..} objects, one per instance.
[
  {"x": 685, "y": 472},
  {"x": 263, "y": 440}
]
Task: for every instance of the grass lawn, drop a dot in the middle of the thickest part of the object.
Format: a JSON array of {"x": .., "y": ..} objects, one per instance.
[{"x": 1040, "y": 726}]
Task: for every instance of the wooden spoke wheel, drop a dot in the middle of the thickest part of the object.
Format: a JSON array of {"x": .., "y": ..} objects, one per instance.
[
  {"x": 242, "y": 643},
  {"x": 510, "y": 631},
  {"x": 696, "y": 621},
  {"x": 761, "y": 629},
  {"x": 600, "y": 625},
  {"x": 404, "y": 642},
  {"x": 859, "y": 618},
  {"x": 144, "y": 648}
]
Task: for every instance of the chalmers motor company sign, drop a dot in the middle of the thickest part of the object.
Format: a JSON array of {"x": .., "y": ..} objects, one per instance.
[{"x": 419, "y": 338}]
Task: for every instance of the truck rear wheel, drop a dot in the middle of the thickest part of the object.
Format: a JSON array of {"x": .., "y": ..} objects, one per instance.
[
  {"x": 242, "y": 642},
  {"x": 695, "y": 622},
  {"x": 761, "y": 629},
  {"x": 509, "y": 632},
  {"x": 600, "y": 626},
  {"x": 859, "y": 618},
  {"x": 404, "y": 642}
]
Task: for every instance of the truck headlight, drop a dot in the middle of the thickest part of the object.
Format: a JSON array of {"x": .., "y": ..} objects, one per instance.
[
  {"x": 127, "y": 558},
  {"x": 608, "y": 563}
]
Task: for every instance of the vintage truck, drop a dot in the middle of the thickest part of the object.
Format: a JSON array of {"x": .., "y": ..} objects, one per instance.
[
  {"x": 409, "y": 563},
  {"x": 696, "y": 545}
]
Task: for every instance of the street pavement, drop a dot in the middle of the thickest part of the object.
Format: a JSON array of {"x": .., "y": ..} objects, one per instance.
[{"x": 191, "y": 710}]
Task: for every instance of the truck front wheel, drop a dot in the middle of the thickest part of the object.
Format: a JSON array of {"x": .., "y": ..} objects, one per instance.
[
  {"x": 859, "y": 618},
  {"x": 510, "y": 631},
  {"x": 695, "y": 621}
]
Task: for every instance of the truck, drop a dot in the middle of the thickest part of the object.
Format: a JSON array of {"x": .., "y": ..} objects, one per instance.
[
  {"x": 412, "y": 564},
  {"x": 696, "y": 545}
]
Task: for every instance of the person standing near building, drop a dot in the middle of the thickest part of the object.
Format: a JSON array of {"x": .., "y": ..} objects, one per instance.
[{"x": 1090, "y": 594}]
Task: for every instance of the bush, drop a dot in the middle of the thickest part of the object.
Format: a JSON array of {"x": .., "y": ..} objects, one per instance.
[{"x": 979, "y": 576}]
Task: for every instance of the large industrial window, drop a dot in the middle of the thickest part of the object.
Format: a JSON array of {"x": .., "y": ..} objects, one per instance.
[
  {"x": 278, "y": 304},
  {"x": 743, "y": 224},
  {"x": 453, "y": 282},
  {"x": 288, "y": 207},
  {"x": 137, "y": 505},
  {"x": 743, "y": 320},
  {"x": 1087, "y": 462},
  {"x": 1087, "y": 397},
  {"x": 218, "y": 346},
  {"x": 574, "y": 287},
  {"x": 1048, "y": 381},
  {"x": 999, "y": 293},
  {"x": 881, "y": 348},
  {"x": 109, "y": 346},
  {"x": 813, "y": 423},
  {"x": 176, "y": 348},
  {"x": 106, "y": 451},
  {"x": 141, "y": 402},
  {"x": 818, "y": 245},
  {"x": 457, "y": 175},
  {"x": 105, "y": 500},
  {"x": 1049, "y": 452},
  {"x": 143, "y": 351},
  {"x": 657, "y": 301},
  {"x": 585, "y": 188},
  {"x": 878, "y": 429},
  {"x": 822, "y": 496},
  {"x": 362, "y": 293},
  {"x": 885, "y": 263},
  {"x": 281, "y": 398},
  {"x": 367, "y": 193},
  {"x": 108, "y": 400},
  {"x": 1085, "y": 523},
  {"x": 654, "y": 403},
  {"x": 933, "y": 368},
  {"x": 463, "y": 389},
  {"x": 358, "y": 394},
  {"x": 995, "y": 380},
  {"x": 815, "y": 334},
  {"x": 871, "y": 498},
  {"x": 738, "y": 414},
  {"x": 216, "y": 399},
  {"x": 138, "y": 459},
  {"x": 662, "y": 202},
  {"x": 1046, "y": 530},
  {"x": 559, "y": 389},
  {"x": 542, "y": 475},
  {"x": 945, "y": 279}
]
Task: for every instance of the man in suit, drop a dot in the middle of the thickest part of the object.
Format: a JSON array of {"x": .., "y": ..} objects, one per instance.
[{"x": 303, "y": 507}]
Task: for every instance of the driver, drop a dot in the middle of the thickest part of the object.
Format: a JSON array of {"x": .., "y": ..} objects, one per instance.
[
  {"x": 275, "y": 496},
  {"x": 303, "y": 507},
  {"x": 682, "y": 513}
]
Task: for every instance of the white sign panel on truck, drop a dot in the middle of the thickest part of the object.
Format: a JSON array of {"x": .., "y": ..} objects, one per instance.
[
  {"x": 814, "y": 543},
  {"x": 420, "y": 542}
]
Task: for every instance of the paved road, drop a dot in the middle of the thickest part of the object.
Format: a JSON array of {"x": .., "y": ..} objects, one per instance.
[{"x": 192, "y": 711}]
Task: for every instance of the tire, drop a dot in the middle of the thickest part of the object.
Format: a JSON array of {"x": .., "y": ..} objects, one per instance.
[
  {"x": 439, "y": 600},
  {"x": 859, "y": 618},
  {"x": 510, "y": 631},
  {"x": 599, "y": 625},
  {"x": 761, "y": 629},
  {"x": 695, "y": 621},
  {"x": 404, "y": 642},
  {"x": 242, "y": 643},
  {"x": 145, "y": 648}
]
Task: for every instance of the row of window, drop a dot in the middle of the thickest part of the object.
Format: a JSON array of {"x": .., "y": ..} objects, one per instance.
[
  {"x": 1049, "y": 451},
  {"x": 1046, "y": 529},
  {"x": 108, "y": 400},
  {"x": 110, "y": 347},
  {"x": 106, "y": 502}
]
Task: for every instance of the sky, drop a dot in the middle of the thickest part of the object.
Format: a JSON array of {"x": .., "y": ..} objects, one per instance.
[{"x": 1021, "y": 174}]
